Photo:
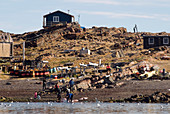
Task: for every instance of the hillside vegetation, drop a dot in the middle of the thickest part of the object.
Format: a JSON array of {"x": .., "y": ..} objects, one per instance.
[{"x": 61, "y": 44}]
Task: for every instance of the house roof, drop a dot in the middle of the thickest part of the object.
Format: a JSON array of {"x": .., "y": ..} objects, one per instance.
[
  {"x": 156, "y": 36},
  {"x": 57, "y": 12}
]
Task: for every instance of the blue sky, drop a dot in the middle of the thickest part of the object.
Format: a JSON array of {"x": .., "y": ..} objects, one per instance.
[{"x": 19, "y": 16}]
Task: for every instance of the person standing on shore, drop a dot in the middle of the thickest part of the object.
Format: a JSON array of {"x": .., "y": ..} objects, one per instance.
[
  {"x": 58, "y": 92},
  {"x": 56, "y": 87},
  {"x": 71, "y": 83},
  {"x": 108, "y": 68},
  {"x": 44, "y": 84},
  {"x": 39, "y": 95},
  {"x": 69, "y": 95},
  {"x": 63, "y": 81},
  {"x": 35, "y": 95}
]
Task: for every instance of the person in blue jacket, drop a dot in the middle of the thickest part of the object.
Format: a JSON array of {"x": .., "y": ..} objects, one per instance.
[{"x": 71, "y": 83}]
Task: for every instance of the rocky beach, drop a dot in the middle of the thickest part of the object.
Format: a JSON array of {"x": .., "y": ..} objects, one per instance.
[{"x": 22, "y": 90}]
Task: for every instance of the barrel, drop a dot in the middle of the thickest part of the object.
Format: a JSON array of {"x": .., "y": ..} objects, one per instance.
[
  {"x": 32, "y": 73},
  {"x": 11, "y": 71},
  {"x": 23, "y": 74},
  {"x": 41, "y": 73},
  {"x": 36, "y": 73},
  {"x": 55, "y": 77},
  {"x": 54, "y": 69},
  {"x": 46, "y": 73},
  {"x": 51, "y": 70},
  {"x": 27, "y": 73},
  {"x": 16, "y": 72},
  {"x": 19, "y": 72}
]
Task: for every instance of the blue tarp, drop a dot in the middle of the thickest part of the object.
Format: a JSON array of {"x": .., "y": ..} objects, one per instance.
[{"x": 82, "y": 27}]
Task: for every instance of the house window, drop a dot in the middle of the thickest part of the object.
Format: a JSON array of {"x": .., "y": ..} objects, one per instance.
[
  {"x": 165, "y": 40},
  {"x": 151, "y": 40},
  {"x": 55, "y": 18}
]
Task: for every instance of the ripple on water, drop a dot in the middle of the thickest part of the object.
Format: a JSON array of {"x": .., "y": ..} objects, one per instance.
[{"x": 53, "y": 107}]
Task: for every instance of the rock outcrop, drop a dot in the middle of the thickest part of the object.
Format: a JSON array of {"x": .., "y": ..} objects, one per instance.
[{"x": 157, "y": 97}]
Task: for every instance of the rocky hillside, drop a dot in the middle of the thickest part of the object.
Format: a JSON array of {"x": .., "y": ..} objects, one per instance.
[{"x": 62, "y": 44}]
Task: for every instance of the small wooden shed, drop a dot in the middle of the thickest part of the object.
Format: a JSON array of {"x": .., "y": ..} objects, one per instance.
[{"x": 6, "y": 46}]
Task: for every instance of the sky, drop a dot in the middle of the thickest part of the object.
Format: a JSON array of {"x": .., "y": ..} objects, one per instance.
[{"x": 20, "y": 16}]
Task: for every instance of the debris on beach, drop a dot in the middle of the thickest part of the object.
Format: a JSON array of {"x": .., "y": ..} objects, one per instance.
[{"x": 157, "y": 97}]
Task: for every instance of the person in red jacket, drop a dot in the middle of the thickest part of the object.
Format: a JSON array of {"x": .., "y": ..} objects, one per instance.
[{"x": 108, "y": 68}]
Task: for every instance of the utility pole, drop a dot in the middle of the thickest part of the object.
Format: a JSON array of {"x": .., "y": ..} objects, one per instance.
[
  {"x": 101, "y": 32},
  {"x": 23, "y": 53},
  {"x": 79, "y": 18}
]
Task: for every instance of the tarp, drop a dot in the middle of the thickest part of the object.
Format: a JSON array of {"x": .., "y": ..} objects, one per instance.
[
  {"x": 63, "y": 68},
  {"x": 93, "y": 64},
  {"x": 84, "y": 65}
]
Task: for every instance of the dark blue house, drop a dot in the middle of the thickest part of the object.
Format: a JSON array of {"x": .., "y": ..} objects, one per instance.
[
  {"x": 155, "y": 41},
  {"x": 57, "y": 17}
]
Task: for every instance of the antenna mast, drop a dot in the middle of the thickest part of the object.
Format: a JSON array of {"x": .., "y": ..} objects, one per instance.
[{"x": 79, "y": 18}]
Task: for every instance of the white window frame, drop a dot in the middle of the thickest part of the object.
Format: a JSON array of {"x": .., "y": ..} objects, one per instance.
[
  {"x": 56, "y": 19},
  {"x": 165, "y": 42},
  {"x": 150, "y": 40}
]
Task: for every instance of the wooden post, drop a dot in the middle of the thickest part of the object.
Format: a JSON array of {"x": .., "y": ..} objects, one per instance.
[
  {"x": 62, "y": 73},
  {"x": 44, "y": 22},
  {"x": 23, "y": 53},
  {"x": 33, "y": 74},
  {"x": 74, "y": 70},
  {"x": 84, "y": 69},
  {"x": 80, "y": 69}
]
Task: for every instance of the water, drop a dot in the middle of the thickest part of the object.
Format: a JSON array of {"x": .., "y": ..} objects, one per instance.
[{"x": 83, "y": 108}]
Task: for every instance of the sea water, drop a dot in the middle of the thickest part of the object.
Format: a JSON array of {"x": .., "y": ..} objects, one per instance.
[{"x": 82, "y": 108}]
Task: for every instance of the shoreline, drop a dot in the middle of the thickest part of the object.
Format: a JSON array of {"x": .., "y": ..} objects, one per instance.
[{"x": 23, "y": 91}]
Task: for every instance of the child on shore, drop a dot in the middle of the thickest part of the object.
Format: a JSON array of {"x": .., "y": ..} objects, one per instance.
[{"x": 35, "y": 95}]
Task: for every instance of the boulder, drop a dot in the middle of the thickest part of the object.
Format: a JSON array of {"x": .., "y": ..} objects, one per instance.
[
  {"x": 2, "y": 99},
  {"x": 157, "y": 97},
  {"x": 85, "y": 84},
  {"x": 99, "y": 85},
  {"x": 101, "y": 52},
  {"x": 8, "y": 83},
  {"x": 110, "y": 86},
  {"x": 120, "y": 84},
  {"x": 101, "y": 81},
  {"x": 109, "y": 80}
]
